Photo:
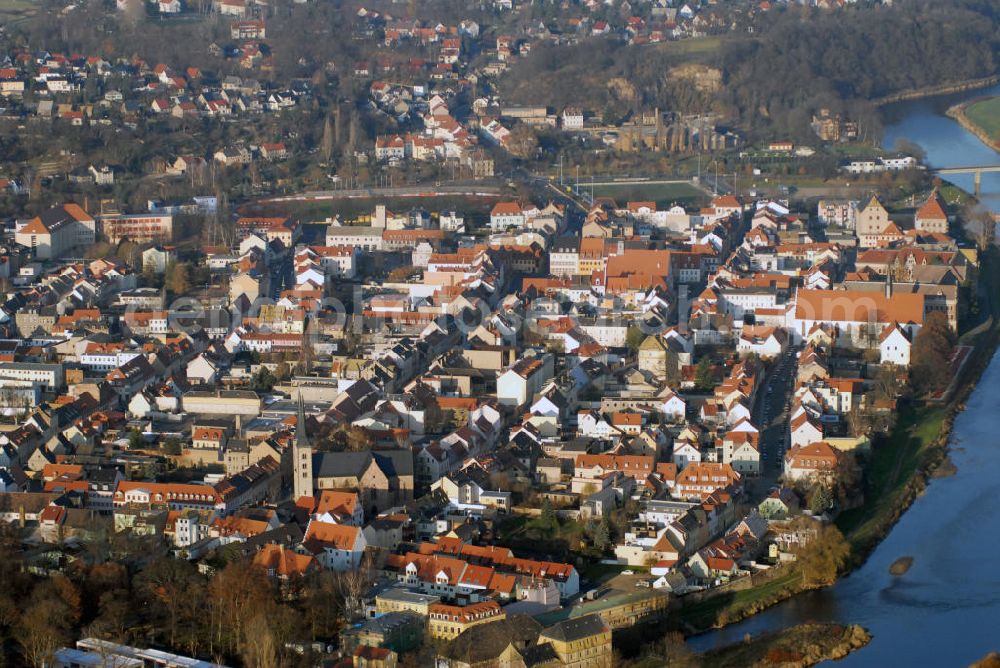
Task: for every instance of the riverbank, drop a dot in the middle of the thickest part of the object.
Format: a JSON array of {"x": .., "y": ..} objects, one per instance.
[
  {"x": 959, "y": 113},
  {"x": 942, "y": 89},
  {"x": 798, "y": 647},
  {"x": 897, "y": 474}
]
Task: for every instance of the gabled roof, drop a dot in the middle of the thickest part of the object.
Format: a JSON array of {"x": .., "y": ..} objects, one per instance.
[
  {"x": 283, "y": 561},
  {"x": 932, "y": 209},
  {"x": 858, "y": 306},
  {"x": 322, "y": 535},
  {"x": 577, "y": 628}
]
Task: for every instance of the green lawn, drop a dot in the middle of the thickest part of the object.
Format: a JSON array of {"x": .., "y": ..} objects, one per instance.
[
  {"x": 664, "y": 194},
  {"x": 15, "y": 11},
  {"x": 698, "y": 45},
  {"x": 953, "y": 194},
  {"x": 538, "y": 535},
  {"x": 706, "y": 614},
  {"x": 986, "y": 114},
  {"x": 15, "y": 6},
  {"x": 892, "y": 466}
]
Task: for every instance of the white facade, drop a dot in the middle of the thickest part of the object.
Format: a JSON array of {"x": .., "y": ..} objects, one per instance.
[{"x": 895, "y": 348}]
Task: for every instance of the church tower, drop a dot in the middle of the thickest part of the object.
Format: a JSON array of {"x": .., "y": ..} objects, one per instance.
[{"x": 302, "y": 455}]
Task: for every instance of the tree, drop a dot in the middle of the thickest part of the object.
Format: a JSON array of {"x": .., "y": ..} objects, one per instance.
[
  {"x": 116, "y": 618},
  {"x": 634, "y": 338},
  {"x": 308, "y": 352},
  {"x": 172, "y": 446},
  {"x": 820, "y": 498},
  {"x": 887, "y": 384},
  {"x": 321, "y": 604},
  {"x": 43, "y": 628},
  {"x": 522, "y": 141},
  {"x": 237, "y": 594},
  {"x": 859, "y": 421},
  {"x": 178, "y": 278},
  {"x": 435, "y": 420},
  {"x": 673, "y": 370},
  {"x": 128, "y": 252},
  {"x": 704, "y": 379},
  {"x": 601, "y": 537},
  {"x": 548, "y": 514},
  {"x": 931, "y": 353},
  {"x": 907, "y": 147},
  {"x": 400, "y": 274},
  {"x": 327, "y": 144},
  {"x": 169, "y": 585},
  {"x": 359, "y": 439},
  {"x": 135, "y": 440},
  {"x": 979, "y": 224},
  {"x": 822, "y": 558},
  {"x": 263, "y": 380},
  {"x": 352, "y": 585},
  {"x": 259, "y": 649}
]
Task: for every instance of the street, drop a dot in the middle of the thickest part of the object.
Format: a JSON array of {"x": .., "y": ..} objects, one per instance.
[{"x": 771, "y": 417}]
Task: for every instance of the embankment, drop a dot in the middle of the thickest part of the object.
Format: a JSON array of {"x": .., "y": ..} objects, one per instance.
[
  {"x": 958, "y": 113},
  {"x": 797, "y": 647},
  {"x": 942, "y": 89}
]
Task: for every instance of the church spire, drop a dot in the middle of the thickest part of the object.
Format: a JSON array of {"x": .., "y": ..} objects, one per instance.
[
  {"x": 301, "y": 439},
  {"x": 302, "y": 455}
]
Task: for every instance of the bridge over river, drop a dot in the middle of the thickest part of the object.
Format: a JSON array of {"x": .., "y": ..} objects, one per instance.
[{"x": 977, "y": 172}]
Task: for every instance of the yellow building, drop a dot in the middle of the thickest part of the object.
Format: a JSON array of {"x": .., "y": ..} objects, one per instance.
[
  {"x": 448, "y": 621},
  {"x": 580, "y": 642},
  {"x": 404, "y": 600}
]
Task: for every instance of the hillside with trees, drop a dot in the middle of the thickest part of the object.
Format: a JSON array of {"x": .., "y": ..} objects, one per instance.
[{"x": 841, "y": 60}]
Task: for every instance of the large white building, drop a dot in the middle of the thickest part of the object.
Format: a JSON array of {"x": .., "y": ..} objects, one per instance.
[
  {"x": 518, "y": 384},
  {"x": 57, "y": 231},
  {"x": 362, "y": 238},
  {"x": 338, "y": 547},
  {"x": 49, "y": 377},
  {"x": 859, "y": 316}
]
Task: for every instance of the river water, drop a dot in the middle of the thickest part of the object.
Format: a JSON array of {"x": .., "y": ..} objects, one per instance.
[
  {"x": 946, "y": 143},
  {"x": 945, "y": 611}
]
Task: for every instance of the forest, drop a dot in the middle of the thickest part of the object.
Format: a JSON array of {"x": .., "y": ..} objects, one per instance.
[
  {"x": 794, "y": 62},
  {"x": 127, "y": 589}
]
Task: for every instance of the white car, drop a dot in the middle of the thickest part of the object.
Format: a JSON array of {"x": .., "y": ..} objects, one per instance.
[{"x": 628, "y": 572}]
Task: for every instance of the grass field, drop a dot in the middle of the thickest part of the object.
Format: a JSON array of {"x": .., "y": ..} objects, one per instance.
[
  {"x": 12, "y": 11},
  {"x": 691, "y": 46},
  {"x": 663, "y": 194},
  {"x": 892, "y": 466},
  {"x": 708, "y": 613},
  {"x": 986, "y": 115}
]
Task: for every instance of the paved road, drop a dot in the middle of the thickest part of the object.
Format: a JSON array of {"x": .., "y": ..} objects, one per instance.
[{"x": 771, "y": 417}]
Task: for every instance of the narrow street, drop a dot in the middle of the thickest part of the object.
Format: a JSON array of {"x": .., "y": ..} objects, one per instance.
[{"x": 771, "y": 416}]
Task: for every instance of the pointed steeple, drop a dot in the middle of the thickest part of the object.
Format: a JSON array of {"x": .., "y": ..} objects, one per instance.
[
  {"x": 301, "y": 439},
  {"x": 302, "y": 455}
]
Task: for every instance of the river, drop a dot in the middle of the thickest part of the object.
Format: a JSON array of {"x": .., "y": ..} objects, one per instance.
[
  {"x": 946, "y": 143},
  {"x": 944, "y": 610}
]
